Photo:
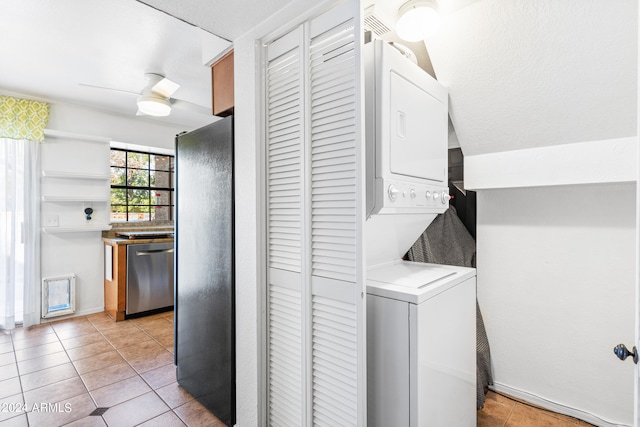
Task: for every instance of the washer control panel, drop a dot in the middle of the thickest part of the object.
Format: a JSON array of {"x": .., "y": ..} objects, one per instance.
[{"x": 401, "y": 196}]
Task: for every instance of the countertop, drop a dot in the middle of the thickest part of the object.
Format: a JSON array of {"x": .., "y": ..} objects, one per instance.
[
  {"x": 111, "y": 238},
  {"x": 123, "y": 241}
]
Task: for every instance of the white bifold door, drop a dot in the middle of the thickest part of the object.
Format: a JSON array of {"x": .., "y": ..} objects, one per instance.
[{"x": 315, "y": 306}]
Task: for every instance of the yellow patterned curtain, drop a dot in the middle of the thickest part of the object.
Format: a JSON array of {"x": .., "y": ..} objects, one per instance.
[{"x": 23, "y": 119}]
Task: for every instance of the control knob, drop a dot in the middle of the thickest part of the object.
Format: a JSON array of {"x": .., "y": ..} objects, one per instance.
[
  {"x": 393, "y": 192},
  {"x": 412, "y": 193},
  {"x": 445, "y": 197}
]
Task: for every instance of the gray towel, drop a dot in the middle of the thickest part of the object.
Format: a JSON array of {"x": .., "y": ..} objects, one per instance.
[{"x": 447, "y": 241}]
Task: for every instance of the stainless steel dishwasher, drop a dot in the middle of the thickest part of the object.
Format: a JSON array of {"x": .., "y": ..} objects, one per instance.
[{"x": 149, "y": 277}]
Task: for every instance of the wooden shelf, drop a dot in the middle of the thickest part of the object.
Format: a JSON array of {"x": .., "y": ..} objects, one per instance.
[
  {"x": 75, "y": 175},
  {"x": 76, "y": 229}
]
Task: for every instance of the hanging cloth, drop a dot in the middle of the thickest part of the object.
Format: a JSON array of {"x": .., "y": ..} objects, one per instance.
[
  {"x": 23, "y": 119},
  {"x": 22, "y": 124},
  {"x": 447, "y": 241}
]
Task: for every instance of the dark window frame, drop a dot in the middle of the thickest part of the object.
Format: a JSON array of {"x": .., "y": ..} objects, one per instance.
[{"x": 149, "y": 188}]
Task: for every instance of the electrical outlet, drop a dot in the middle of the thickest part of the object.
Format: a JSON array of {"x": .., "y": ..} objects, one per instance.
[{"x": 51, "y": 221}]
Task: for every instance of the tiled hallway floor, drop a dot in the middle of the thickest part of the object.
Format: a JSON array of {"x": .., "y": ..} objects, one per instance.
[
  {"x": 62, "y": 371},
  {"x": 501, "y": 411}
]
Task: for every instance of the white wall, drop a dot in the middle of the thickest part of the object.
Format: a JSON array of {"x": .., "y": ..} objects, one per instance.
[
  {"x": 82, "y": 253},
  {"x": 556, "y": 289},
  {"x": 247, "y": 234}
]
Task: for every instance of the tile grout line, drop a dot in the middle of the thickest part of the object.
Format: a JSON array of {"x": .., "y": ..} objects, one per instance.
[
  {"x": 15, "y": 360},
  {"x": 71, "y": 361},
  {"x": 513, "y": 408},
  {"x": 123, "y": 358},
  {"x": 95, "y": 326},
  {"x": 160, "y": 397},
  {"x": 154, "y": 390},
  {"x": 140, "y": 374},
  {"x": 114, "y": 348}
]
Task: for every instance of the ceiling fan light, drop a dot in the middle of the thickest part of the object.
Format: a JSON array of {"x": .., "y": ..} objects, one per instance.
[
  {"x": 417, "y": 20},
  {"x": 154, "y": 105}
]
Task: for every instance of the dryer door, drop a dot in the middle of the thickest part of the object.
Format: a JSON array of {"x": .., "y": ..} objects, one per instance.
[{"x": 418, "y": 131}]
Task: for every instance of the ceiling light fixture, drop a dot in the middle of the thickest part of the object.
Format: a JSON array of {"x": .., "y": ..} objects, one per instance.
[
  {"x": 154, "y": 105},
  {"x": 417, "y": 20}
]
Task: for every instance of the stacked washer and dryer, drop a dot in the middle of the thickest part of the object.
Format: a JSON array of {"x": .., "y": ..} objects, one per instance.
[{"x": 421, "y": 336}]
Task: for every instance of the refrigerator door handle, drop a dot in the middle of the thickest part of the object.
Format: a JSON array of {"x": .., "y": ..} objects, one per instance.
[{"x": 156, "y": 251}]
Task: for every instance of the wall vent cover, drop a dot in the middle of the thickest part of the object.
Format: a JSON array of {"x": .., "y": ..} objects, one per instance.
[{"x": 374, "y": 23}]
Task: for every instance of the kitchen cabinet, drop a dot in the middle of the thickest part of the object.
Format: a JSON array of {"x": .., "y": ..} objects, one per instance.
[
  {"x": 115, "y": 273},
  {"x": 115, "y": 280},
  {"x": 222, "y": 85}
]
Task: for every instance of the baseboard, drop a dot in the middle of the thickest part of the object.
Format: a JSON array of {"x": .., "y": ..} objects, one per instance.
[
  {"x": 90, "y": 311},
  {"x": 80, "y": 313},
  {"x": 554, "y": 406}
]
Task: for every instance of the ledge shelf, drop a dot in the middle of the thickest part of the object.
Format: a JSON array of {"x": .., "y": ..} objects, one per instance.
[
  {"x": 75, "y": 175},
  {"x": 96, "y": 199},
  {"x": 52, "y": 133},
  {"x": 76, "y": 229}
]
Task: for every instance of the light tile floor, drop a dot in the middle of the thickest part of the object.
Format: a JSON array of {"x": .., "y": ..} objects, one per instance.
[
  {"x": 60, "y": 372},
  {"x": 57, "y": 374},
  {"x": 502, "y": 411}
]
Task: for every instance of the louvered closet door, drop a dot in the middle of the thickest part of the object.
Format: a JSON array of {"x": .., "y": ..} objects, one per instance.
[
  {"x": 334, "y": 224},
  {"x": 315, "y": 315},
  {"x": 284, "y": 102}
]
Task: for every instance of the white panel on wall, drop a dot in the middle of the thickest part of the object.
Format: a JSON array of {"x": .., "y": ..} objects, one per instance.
[{"x": 611, "y": 160}]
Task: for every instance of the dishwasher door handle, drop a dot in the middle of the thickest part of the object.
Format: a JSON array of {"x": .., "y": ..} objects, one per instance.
[{"x": 153, "y": 252}]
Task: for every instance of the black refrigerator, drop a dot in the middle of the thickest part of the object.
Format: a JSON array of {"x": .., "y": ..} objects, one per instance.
[{"x": 204, "y": 267}]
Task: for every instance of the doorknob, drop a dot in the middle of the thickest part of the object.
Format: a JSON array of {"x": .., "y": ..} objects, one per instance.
[{"x": 623, "y": 352}]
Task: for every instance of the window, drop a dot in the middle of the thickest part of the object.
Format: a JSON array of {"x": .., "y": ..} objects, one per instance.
[{"x": 141, "y": 186}]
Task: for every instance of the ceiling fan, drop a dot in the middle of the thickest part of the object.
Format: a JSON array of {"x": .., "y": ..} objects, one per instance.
[{"x": 155, "y": 99}]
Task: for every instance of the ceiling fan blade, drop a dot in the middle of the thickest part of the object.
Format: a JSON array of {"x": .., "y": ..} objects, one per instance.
[
  {"x": 186, "y": 105},
  {"x": 165, "y": 87},
  {"x": 109, "y": 88}
]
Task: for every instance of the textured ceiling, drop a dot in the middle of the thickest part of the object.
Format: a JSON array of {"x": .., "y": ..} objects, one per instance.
[
  {"x": 226, "y": 19},
  {"x": 525, "y": 74},
  {"x": 50, "y": 48},
  {"x": 520, "y": 73}
]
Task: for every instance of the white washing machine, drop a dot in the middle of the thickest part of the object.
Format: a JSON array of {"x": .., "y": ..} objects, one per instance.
[{"x": 421, "y": 345}]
